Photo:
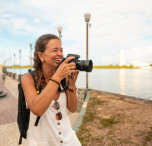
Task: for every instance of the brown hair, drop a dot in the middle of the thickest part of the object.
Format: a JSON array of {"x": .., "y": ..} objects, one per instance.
[{"x": 40, "y": 46}]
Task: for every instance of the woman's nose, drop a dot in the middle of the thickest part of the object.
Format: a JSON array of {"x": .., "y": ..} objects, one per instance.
[{"x": 60, "y": 53}]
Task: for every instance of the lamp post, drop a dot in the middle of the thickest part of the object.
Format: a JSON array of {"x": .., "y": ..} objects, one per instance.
[
  {"x": 8, "y": 61},
  {"x": 59, "y": 31},
  {"x": 87, "y": 19},
  {"x": 20, "y": 60},
  {"x": 31, "y": 54},
  {"x": 14, "y": 63},
  {"x": 10, "y": 64}
]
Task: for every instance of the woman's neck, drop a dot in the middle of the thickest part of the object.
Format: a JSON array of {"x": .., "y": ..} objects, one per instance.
[{"x": 48, "y": 73}]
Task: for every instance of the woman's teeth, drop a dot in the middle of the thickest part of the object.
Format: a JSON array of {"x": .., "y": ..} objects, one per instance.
[{"x": 58, "y": 60}]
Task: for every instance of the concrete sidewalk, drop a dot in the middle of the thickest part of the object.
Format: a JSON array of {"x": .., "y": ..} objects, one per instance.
[{"x": 9, "y": 134}]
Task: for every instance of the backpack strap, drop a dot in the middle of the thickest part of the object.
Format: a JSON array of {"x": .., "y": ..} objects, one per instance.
[
  {"x": 37, "y": 120},
  {"x": 38, "y": 117},
  {"x": 32, "y": 73},
  {"x": 20, "y": 140}
]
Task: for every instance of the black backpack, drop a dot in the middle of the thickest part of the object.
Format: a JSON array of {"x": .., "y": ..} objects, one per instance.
[{"x": 23, "y": 112}]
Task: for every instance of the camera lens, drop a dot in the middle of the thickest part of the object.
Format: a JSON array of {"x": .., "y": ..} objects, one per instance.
[{"x": 84, "y": 65}]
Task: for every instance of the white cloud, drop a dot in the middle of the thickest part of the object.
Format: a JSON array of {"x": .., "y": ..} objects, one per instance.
[
  {"x": 115, "y": 25},
  {"x": 36, "y": 20}
]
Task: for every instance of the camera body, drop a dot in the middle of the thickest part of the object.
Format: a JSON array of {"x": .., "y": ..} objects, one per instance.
[{"x": 82, "y": 65}]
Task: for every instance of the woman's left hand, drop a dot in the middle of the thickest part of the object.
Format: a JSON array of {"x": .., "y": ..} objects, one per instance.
[{"x": 72, "y": 78}]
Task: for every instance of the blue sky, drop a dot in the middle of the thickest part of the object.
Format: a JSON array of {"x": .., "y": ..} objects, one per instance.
[{"x": 115, "y": 25}]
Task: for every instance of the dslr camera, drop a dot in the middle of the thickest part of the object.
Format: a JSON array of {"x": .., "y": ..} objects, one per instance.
[{"x": 82, "y": 65}]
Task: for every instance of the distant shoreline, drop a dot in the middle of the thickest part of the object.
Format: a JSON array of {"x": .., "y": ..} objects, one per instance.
[
  {"x": 115, "y": 67},
  {"x": 95, "y": 66}
]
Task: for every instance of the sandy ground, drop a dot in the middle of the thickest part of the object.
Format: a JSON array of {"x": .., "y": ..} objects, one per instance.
[{"x": 117, "y": 120}]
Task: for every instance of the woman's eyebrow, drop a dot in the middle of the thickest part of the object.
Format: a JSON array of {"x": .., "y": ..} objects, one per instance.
[{"x": 57, "y": 49}]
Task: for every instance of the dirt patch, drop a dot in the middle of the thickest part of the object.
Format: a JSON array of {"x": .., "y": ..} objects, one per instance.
[{"x": 113, "y": 119}]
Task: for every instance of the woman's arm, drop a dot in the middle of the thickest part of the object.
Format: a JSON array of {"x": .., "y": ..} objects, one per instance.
[
  {"x": 38, "y": 103},
  {"x": 71, "y": 93},
  {"x": 72, "y": 100}
]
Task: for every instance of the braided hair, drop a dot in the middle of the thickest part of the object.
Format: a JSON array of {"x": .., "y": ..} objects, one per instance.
[{"x": 40, "y": 46}]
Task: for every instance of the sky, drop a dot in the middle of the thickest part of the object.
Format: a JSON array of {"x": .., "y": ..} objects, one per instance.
[{"x": 115, "y": 25}]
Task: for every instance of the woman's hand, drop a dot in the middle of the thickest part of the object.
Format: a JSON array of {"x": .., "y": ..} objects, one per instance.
[
  {"x": 65, "y": 69},
  {"x": 72, "y": 79}
]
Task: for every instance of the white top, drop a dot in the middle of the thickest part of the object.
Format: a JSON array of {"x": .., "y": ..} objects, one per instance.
[{"x": 52, "y": 132}]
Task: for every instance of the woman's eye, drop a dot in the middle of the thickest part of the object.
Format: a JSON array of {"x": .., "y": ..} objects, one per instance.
[{"x": 54, "y": 50}]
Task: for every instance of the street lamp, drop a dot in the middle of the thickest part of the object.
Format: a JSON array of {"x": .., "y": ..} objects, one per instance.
[
  {"x": 59, "y": 31},
  {"x": 87, "y": 19},
  {"x": 20, "y": 60},
  {"x": 31, "y": 54},
  {"x": 14, "y": 63},
  {"x": 10, "y": 64}
]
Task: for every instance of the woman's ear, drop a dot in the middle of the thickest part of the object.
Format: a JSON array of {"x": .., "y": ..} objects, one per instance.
[{"x": 40, "y": 56}]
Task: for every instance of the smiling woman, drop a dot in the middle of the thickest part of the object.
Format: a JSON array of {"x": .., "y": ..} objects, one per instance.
[
  {"x": 53, "y": 54},
  {"x": 52, "y": 103}
]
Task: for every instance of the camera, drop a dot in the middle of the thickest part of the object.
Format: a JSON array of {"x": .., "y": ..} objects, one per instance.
[{"x": 82, "y": 65}]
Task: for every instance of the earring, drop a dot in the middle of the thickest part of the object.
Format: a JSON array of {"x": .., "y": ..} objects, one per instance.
[{"x": 42, "y": 60}]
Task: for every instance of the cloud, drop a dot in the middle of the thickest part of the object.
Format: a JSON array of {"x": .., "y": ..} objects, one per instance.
[
  {"x": 115, "y": 25},
  {"x": 36, "y": 20}
]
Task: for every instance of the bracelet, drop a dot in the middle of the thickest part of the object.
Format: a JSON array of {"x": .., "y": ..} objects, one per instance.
[
  {"x": 72, "y": 89},
  {"x": 54, "y": 81}
]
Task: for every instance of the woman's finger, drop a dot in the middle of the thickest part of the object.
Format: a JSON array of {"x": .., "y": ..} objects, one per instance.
[
  {"x": 68, "y": 59},
  {"x": 75, "y": 75},
  {"x": 72, "y": 67}
]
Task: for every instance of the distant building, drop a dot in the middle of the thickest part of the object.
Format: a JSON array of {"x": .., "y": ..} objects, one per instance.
[{"x": 122, "y": 57}]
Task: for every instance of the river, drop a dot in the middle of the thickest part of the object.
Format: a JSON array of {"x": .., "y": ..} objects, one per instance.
[{"x": 131, "y": 82}]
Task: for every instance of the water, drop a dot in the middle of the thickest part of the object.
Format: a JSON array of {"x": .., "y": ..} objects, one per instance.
[{"x": 132, "y": 82}]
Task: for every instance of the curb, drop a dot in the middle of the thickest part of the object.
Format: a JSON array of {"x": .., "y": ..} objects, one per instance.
[{"x": 82, "y": 113}]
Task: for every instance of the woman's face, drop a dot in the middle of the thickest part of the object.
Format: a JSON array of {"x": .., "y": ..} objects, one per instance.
[{"x": 53, "y": 53}]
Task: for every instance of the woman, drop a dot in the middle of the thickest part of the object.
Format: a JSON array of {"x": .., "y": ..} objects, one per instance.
[{"x": 54, "y": 127}]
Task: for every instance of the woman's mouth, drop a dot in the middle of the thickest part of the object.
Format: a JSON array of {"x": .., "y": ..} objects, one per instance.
[{"x": 58, "y": 60}]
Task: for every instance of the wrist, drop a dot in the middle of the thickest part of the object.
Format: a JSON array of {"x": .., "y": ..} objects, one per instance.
[
  {"x": 54, "y": 77},
  {"x": 55, "y": 81},
  {"x": 72, "y": 88}
]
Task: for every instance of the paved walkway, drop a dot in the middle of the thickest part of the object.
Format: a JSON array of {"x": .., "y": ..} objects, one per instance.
[{"x": 9, "y": 134}]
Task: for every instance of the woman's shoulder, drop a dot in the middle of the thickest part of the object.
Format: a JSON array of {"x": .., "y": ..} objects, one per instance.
[{"x": 27, "y": 77}]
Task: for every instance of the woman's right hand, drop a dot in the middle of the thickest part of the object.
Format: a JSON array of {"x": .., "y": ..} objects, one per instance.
[{"x": 65, "y": 69}]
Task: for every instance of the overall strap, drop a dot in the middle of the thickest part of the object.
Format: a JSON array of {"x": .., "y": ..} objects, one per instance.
[{"x": 43, "y": 84}]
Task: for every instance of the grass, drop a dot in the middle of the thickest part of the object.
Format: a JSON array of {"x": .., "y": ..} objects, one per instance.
[
  {"x": 92, "y": 122},
  {"x": 149, "y": 135},
  {"x": 108, "y": 122},
  {"x": 96, "y": 102}
]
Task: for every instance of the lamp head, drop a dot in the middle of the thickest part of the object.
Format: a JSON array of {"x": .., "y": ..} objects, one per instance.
[
  {"x": 87, "y": 17},
  {"x": 59, "y": 29}
]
